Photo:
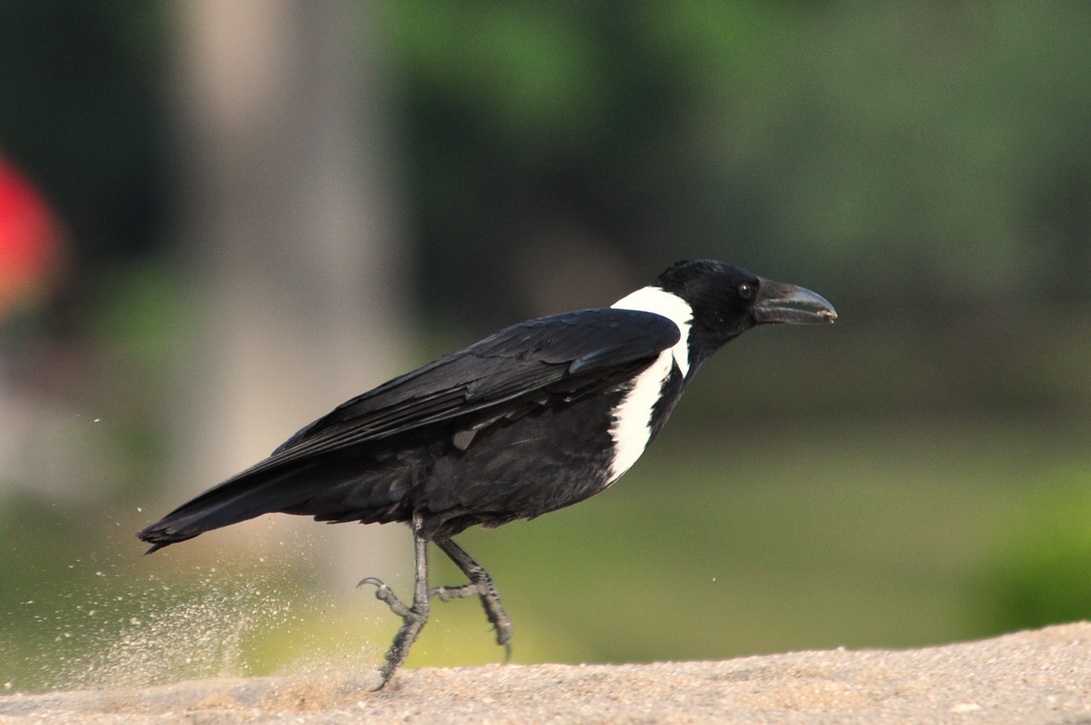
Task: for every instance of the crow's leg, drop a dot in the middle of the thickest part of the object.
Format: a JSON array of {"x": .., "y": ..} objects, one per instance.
[
  {"x": 413, "y": 618},
  {"x": 480, "y": 585}
]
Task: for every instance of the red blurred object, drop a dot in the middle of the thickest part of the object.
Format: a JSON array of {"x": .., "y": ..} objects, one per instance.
[{"x": 30, "y": 242}]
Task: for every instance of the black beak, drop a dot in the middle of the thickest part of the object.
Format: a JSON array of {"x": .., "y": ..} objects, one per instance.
[{"x": 785, "y": 303}]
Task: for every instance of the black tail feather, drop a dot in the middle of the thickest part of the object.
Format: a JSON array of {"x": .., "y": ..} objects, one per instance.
[
  {"x": 329, "y": 490},
  {"x": 244, "y": 497}
]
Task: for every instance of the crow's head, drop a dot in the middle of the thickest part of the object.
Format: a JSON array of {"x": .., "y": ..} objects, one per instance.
[{"x": 727, "y": 301}]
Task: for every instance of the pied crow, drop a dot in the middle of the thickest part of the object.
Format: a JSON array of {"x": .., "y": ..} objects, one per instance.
[{"x": 538, "y": 416}]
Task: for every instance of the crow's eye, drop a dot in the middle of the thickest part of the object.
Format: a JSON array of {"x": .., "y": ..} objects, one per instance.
[{"x": 746, "y": 290}]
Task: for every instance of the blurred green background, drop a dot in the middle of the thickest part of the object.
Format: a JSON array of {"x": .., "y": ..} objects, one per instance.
[{"x": 217, "y": 221}]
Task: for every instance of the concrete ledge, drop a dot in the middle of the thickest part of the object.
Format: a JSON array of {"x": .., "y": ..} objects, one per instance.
[{"x": 1033, "y": 677}]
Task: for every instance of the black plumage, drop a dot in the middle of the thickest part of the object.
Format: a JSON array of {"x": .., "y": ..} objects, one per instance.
[{"x": 536, "y": 417}]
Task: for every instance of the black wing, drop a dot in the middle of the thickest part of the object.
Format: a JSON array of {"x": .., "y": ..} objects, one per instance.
[{"x": 515, "y": 362}]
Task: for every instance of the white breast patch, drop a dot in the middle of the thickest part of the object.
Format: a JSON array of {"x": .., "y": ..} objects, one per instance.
[
  {"x": 631, "y": 427},
  {"x": 671, "y": 306}
]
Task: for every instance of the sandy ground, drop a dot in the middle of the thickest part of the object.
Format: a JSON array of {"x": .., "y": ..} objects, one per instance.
[{"x": 1028, "y": 677}]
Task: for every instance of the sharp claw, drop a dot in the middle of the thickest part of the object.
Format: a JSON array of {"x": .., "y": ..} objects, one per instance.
[
  {"x": 385, "y": 594},
  {"x": 371, "y": 580}
]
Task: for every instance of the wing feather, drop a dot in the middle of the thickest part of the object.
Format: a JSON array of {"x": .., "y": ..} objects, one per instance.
[{"x": 518, "y": 361}]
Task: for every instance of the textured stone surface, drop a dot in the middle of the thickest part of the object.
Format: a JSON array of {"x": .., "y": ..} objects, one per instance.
[{"x": 1029, "y": 677}]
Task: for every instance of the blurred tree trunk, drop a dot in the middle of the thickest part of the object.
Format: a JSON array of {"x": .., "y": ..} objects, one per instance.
[{"x": 289, "y": 226}]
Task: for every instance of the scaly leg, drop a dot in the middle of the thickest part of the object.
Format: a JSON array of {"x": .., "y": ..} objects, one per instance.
[
  {"x": 481, "y": 585},
  {"x": 413, "y": 618}
]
